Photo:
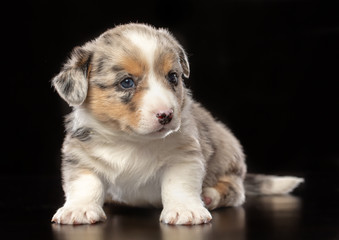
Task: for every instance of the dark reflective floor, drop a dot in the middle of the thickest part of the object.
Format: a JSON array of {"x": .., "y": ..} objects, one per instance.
[{"x": 28, "y": 203}]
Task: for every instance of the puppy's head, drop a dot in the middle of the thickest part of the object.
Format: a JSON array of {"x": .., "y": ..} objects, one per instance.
[{"x": 130, "y": 79}]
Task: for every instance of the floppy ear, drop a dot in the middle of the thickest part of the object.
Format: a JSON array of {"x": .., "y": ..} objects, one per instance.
[
  {"x": 182, "y": 55},
  {"x": 72, "y": 82},
  {"x": 184, "y": 62}
]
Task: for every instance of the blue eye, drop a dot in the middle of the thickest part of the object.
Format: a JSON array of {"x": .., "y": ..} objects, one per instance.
[
  {"x": 173, "y": 78},
  {"x": 127, "y": 83}
]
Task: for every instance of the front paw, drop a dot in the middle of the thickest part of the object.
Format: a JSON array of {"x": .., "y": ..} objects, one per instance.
[
  {"x": 185, "y": 215},
  {"x": 79, "y": 214}
]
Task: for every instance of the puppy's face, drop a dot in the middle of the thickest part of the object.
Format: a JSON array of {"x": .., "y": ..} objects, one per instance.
[{"x": 130, "y": 78}]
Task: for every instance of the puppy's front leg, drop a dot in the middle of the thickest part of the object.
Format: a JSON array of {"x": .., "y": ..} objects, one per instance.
[
  {"x": 84, "y": 199},
  {"x": 181, "y": 188}
]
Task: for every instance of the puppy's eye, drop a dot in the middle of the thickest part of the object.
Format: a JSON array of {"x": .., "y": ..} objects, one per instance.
[
  {"x": 173, "y": 78},
  {"x": 127, "y": 83}
]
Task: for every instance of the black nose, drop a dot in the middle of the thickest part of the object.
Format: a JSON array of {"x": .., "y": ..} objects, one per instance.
[{"x": 164, "y": 117}]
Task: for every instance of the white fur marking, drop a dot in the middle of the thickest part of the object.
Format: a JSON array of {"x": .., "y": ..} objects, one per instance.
[
  {"x": 84, "y": 198},
  {"x": 147, "y": 44},
  {"x": 181, "y": 195},
  {"x": 281, "y": 185},
  {"x": 158, "y": 98}
]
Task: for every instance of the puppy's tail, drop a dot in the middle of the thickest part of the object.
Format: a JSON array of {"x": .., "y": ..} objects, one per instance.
[{"x": 258, "y": 184}]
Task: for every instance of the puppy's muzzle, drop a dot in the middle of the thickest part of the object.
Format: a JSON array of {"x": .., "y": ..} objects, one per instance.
[{"x": 165, "y": 117}]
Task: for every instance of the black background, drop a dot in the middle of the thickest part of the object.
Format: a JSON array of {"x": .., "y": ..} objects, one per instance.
[{"x": 267, "y": 68}]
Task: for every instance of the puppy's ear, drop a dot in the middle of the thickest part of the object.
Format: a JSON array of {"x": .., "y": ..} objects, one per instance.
[
  {"x": 181, "y": 52},
  {"x": 72, "y": 82},
  {"x": 184, "y": 62}
]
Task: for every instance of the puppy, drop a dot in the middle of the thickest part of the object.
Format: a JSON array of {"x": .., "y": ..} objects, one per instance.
[{"x": 136, "y": 136}]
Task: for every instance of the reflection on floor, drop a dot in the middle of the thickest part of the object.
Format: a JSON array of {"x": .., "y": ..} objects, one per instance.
[
  {"x": 312, "y": 212},
  {"x": 279, "y": 214}
]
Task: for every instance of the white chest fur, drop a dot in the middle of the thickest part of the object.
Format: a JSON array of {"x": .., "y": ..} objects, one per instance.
[{"x": 132, "y": 170}]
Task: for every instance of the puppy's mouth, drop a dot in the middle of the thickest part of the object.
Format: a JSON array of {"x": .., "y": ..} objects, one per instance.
[
  {"x": 161, "y": 132},
  {"x": 162, "y": 129},
  {"x": 156, "y": 130}
]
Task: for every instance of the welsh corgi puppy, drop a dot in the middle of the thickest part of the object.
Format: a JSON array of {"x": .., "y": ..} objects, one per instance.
[{"x": 136, "y": 136}]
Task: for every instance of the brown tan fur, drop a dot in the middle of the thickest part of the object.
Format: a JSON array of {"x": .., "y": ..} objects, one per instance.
[
  {"x": 135, "y": 67},
  {"x": 104, "y": 107}
]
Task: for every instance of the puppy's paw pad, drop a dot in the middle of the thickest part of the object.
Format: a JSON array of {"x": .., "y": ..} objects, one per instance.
[
  {"x": 185, "y": 215},
  {"x": 211, "y": 198},
  {"x": 81, "y": 214}
]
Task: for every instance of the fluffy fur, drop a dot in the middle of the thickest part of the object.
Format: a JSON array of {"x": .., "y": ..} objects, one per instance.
[{"x": 136, "y": 136}]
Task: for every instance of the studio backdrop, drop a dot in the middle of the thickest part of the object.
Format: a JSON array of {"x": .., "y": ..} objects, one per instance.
[{"x": 268, "y": 69}]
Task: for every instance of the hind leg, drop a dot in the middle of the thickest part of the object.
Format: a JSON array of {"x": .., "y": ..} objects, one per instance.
[{"x": 227, "y": 192}]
